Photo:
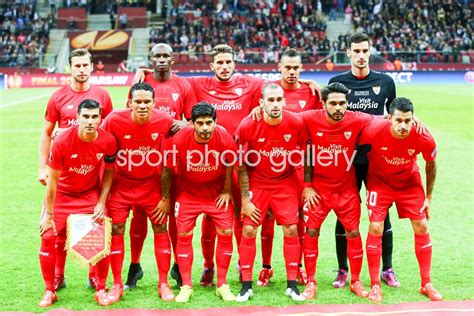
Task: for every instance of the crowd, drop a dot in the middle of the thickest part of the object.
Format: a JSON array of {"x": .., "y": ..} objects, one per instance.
[
  {"x": 421, "y": 31},
  {"x": 258, "y": 31},
  {"x": 23, "y": 35}
]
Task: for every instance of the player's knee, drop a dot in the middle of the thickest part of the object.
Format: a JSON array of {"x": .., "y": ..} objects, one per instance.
[
  {"x": 312, "y": 232},
  {"x": 249, "y": 231},
  {"x": 376, "y": 228},
  {"x": 159, "y": 228},
  {"x": 290, "y": 230},
  {"x": 352, "y": 233},
  {"x": 118, "y": 229},
  {"x": 224, "y": 232},
  {"x": 185, "y": 234},
  {"x": 420, "y": 227}
]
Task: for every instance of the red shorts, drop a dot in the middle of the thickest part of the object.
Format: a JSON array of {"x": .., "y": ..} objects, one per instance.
[
  {"x": 187, "y": 211},
  {"x": 66, "y": 204},
  {"x": 282, "y": 201},
  {"x": 345, "y": 204},
  {"x": 141, "y": 197},
  {"x": 408, "y": 201}
]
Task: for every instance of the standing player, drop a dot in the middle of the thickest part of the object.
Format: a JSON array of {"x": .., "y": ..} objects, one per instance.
[
  {"x": 62, "y": 109},
  {"x": 139, "y": 132},
  {"x": 205, "y": 154},
  {"x": 73, "y": 186},
  {"x": 331, "y": 184},
  {"x": 269, "y": 183},
  {"x": 370, "y": 92},
  {"x": 299, "y": 98},
  {"x": 394, "y": 177},
  {"x": 174, "y": 96}
]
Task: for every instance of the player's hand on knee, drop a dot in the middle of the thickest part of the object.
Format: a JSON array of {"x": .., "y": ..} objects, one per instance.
[
  {"x": 47, "y": 223},
  {"x": 99, "y": 213},
  {"x": 42, "y": 176},
  {"x": 161, "y": 211},
  {"x": 251, "y": 211},
  {"x": 311, "y": 197},
  {"x": 426, "y": 208}
]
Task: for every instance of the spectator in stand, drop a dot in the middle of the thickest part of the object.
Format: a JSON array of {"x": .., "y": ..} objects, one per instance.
[
  {"x": 100, "y": 68},
  {"x": 123, "y": 18}
]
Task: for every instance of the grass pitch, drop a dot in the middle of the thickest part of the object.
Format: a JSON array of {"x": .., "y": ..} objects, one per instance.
[{"x": 446, "y": 109}]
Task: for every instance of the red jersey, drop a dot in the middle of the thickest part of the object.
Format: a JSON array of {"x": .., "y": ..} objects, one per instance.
[
  {"x": 63, "y": 104},
  {"x": 301, "y": 99},
  {"x": 139, "y": 153},
  {"x": 175, "y": 96},
  {"x": 233, "y": 99},
  {"x": 278, "y": 147},
  {"x": 202, "y": 179},
  {"x": 80, "y": 161},
  {"x": 392, "y": 162},
  {"x": 332, "y": 148}
]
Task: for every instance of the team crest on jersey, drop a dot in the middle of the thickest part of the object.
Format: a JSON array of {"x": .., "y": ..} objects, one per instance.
[
  {"x": 302, "y": 103},
  {"x": 376, "y": 89},
  {"x": 238, "y": 91},
  {"x": 154, "y": 136},
  {"x": 70, "y": 106},
  {"x": 411, "y": 152},
  {"x": 305, "y": 218},
  {"x": 212, "y": 92},
  {"x": 287, "y": 137},
  {"x": 347, "y": 135},
  {"x": 175, "y": 96},
  {"x": 99, "y": 155}
]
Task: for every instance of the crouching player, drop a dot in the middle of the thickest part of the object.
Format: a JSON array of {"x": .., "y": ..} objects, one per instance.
[
  {"x": 205, "y": 154},
  {"x": 394, "y": 177},
  {"x": 73, "y": 186}
]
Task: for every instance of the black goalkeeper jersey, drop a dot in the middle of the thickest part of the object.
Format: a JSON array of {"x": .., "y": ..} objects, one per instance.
[{"x": 372, "y": 94}]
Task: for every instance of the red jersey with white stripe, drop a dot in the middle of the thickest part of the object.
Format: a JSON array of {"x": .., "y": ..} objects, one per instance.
[
  {"x": 63, "y": 104},
  {"x": 175, "y": 96},
  {"x": 233, "y": 99},
  {"x": 301, "y": 99},
  {"x": 201, "y": 167},
  {"x": 392, "y": 161},
  {"x": 279, "y": 148},
  {"x": 333, "y": 148},
  {"x": 79, "y": 161},
  {"x": 139, "y": 153}
]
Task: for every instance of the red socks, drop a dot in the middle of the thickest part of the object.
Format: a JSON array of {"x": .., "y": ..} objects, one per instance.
[
  {"x": 301, "y": 234},
  {"x": 355, "y": 254},
  {"x": 223, "y": 256},
  {"x": 162, "y": 256},
  {"x": 267, "y": 234},
  {"x": 101, "y": 273},
  {"x": 291, "y": 252},
  {"x": 208, "y": 241},
  {"x": 173, "y": 232},
  {"x": 60, "y": 255},
  {"x": 116, "y": 258},
  {"x": 238, "y": 228},
  {"x": 423, "y": 251},
  {"x": 310, "y": 252},
  {"x": 247, "y": 251},
  {"x": 373, "y": 248},
  {"x": 185, "y": 258},
  {"x": 138, "y": 232},
  {"x": 47, "y": 258}
]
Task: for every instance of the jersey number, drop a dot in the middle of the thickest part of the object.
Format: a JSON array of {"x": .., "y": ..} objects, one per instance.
[{"x": 372, "y": 198}]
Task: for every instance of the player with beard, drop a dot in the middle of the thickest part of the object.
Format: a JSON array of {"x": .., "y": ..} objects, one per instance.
[
  {"x": 174, "y": 96},
  {"x": 370, "y": 92},
  {"x": 74, "y": 186},
  {"x": 62, "y": 110}
]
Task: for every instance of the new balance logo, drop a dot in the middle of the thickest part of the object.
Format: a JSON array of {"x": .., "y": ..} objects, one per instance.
[
  {"x": 74, "y": 156},
  {"x": 310, "y": 255},
  {"x": 70, "y": 106},
  {"x": 384, "y": 148},
  {"x": 116, "y": 252},
  {"x": 183, "y": 255},
  {"x": 293, "y": 264},
  {"x": 227, "y": 254},
  {"x": 212, "y": 92},
  {"x": 319, "y": 134},
  {"x": 45, "y": 254},
  {"x": 167, "y": 252},
  {"x": 128, "y": 136},
  {"x": 246, "y": 266},
  {"x": 356, "y": 257},
  {"x": 371, "y": 246},
  {"x": 426, "y": 246},
  {"x": 261, "y": 140}
]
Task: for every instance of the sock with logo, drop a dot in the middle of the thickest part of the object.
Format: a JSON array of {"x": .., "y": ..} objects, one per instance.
[
  {"x": 138, "y": 232},
  {"x": 373, "y": 248},
  {"x": 162, "y": 247},
  {"x": 223, "y": 257},
  {"x": 117, "y": 250},
  {"x": 208, "y": 241},
  {"x": 185, "y": 258},
  {"x": 423, "y": 251},
  {"x": 47, "y": 258},
  {"x": 291, "y": 252},
  {"x": 247, "y": 252},
  {"x": 267, "y": 234},
  {"x": 310, "y": 253},
  {"x": 355, "y": 254}
]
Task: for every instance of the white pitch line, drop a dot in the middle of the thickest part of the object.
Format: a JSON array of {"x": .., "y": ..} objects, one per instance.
[
  {"x": 7, "y": 105},
  {"x": 381, "y": 313}
]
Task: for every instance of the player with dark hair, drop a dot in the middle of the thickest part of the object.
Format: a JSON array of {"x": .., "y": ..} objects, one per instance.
[
  {"x": 139, "y": 131},
  {"x": 74, "y": 187},
  {"x": 204, "y": 162},
  {"x": 330, "y": 181},
  {"x": 267, "y": 181},
  {"x": 62, "y": 110},
  {"x": 370, "y": 92},
  {"x": 394, "y": 177}
]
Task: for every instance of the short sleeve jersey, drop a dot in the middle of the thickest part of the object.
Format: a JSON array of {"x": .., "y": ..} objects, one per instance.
[
  {"x": 233, "y": 99},
  {"x": 175, "y": 96},
  {"x": 271, "y": 152},
  {"x": 372, "y": 94},
  {"x": 139, "y": 153},
  {"x": 332, "y": 148},
  {"x": 201, "y": 167},
  {"x": 79, "y": 161},
  {"x": 393, "y": 162},
  {"x": 301, "y": 99},
  {"x": 63, "y": 104}
]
